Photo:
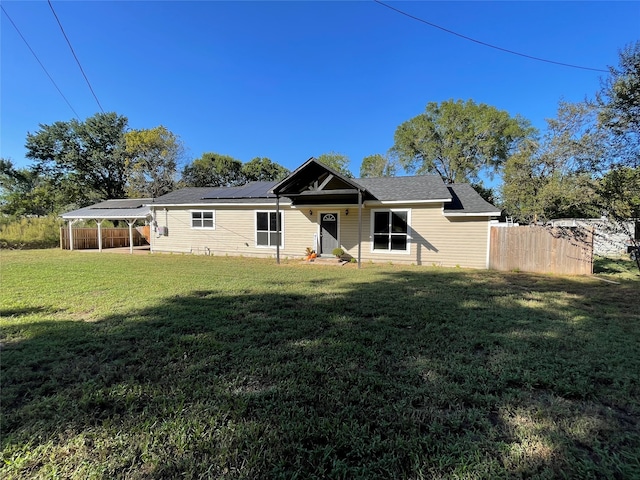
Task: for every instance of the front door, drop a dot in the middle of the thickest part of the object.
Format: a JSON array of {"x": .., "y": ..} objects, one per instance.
[{"x": 328, "y": 233}]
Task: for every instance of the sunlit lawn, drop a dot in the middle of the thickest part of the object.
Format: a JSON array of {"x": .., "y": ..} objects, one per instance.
[{"x": 171, "y": 366}]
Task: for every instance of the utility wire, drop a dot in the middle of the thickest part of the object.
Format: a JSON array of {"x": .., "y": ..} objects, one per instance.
[
  {"x": 484, "y": 43},
  {"x": 39, "y": 62},
  {"x": 75, "y": 56}
]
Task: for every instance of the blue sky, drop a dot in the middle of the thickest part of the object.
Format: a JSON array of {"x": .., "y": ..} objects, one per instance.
[{"x": 291, "y": 80}]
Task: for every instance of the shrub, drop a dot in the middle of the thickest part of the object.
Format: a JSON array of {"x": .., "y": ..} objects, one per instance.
[
  {"x": 36, "y": 232},
  {"x": 338, "y": 252}
]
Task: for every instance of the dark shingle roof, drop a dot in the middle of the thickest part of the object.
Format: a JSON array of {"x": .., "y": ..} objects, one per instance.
[
  {"x": 465, "y": 200},
  {"x": 255, "y": 192},
  {"x": 250, "y": 190},
  {"x": 459, "y": 198},
  {"x": 422, "y": 187}
]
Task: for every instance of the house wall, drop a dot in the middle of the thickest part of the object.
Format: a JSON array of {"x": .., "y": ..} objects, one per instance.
[
  {"x": 435, "y": 239},
  {"x": 234, "y": 233}
]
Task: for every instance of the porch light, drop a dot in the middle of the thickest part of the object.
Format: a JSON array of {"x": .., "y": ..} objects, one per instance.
[
  {"x": 310, "y": 212},
  {"x": 346, "y": 212}
]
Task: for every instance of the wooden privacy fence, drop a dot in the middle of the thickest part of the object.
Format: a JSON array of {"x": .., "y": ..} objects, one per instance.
[
  {"x": 87, "y": 238},
  {"x": 536, "y": 249}
]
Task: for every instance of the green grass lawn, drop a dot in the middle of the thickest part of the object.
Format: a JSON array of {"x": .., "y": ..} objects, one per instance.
[{"x": 170, "y": 366}]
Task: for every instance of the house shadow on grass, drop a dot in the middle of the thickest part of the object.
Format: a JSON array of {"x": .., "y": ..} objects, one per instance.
[{"x": 420, "y": 375}]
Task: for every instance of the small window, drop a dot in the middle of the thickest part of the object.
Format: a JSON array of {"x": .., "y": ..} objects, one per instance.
[
  {"x": 203, "y": 219},
  {"x": 267, "y": 229},
  {"x": 391, "y": 231}
]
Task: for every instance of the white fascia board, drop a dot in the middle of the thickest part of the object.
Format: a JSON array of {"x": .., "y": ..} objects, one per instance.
[
  {"x": 110, "y": 217},
  {"x": 207, "y": 205},
  {"x": 405, "y": 202},
  {"x": 326, "y": 206},
  {"x": 483, "y": 214}
]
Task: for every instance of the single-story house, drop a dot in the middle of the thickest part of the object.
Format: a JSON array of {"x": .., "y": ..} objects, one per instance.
[{"x": 414, "y": 219}]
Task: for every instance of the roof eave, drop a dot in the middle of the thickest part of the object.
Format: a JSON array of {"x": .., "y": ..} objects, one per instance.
[{"x": 471, "y": 214}]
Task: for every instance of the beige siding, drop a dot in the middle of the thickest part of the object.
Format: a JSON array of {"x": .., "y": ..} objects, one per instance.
[
  {"x": 436, "y": 239},
  {"x": 234, "y": 232},
  {"x": 449, "y": 241}
]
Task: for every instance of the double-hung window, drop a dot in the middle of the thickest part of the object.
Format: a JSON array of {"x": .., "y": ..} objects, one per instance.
[
  {"x": 390, "y": 230},
  {"x": 266, "y": 229},
  {"x": 203, "y": 219}
]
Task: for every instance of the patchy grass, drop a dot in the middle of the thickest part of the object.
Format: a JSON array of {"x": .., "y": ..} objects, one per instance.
[
  {"x": 170, "y": 366},
  {"x": 616, "y": 268}
]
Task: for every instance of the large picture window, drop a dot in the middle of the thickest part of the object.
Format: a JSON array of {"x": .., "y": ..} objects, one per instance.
[
  {"x": 391, "y": 231},
  {"x": 266, "y": 229},
  {"x": 203, "y": 219}
]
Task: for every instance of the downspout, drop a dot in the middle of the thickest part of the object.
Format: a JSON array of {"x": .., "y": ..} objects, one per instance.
[
  {"x": 359, "y": 228},
  {"x": 278, "y": 229}
]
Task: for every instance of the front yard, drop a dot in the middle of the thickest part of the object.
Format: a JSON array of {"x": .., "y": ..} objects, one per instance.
[{"x": 170, "y": 366}]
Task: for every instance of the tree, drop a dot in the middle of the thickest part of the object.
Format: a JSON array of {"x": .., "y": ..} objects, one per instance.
[
  {"x": 213, "y": 170},
  {"x": 25, "y": 192},
  {"x": 262, "y": 169},
  {"x": 153, "y": 156},
  {"x": 91, "y": 154},
  {"x": 552, "y": 177},
  {"x": 619, "y": 104},
  {"x": 338, "y": 161},
  {"x": 459, "y": 140},
  {"x": 377, "y": 165},
  {"x": 618, "y": 197}
]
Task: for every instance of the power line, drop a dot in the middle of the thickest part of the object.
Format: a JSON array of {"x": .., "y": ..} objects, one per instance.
[
  {"x": 486, "y": 44},
  {"x": 39, "y": 62},
  {"x": 75, "y": 56}
]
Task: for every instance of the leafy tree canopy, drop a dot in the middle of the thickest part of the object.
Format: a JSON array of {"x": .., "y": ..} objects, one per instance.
[
  {"x": 152, "y": 156},
  {"x": 263, "y": 169},
  {"x": 377, "y": 165},
  {"x": 25, "y": 192},
  {"x": 91, "y": 153},
  {"x": 619, "y": 192},
  {"x": 619, "y": 105},
  {"x": 552, "y": 176},
  {"x": 338, "y": 161},
  {"x": 213, "y": 170},
  {"x": 459, "y": 140}
]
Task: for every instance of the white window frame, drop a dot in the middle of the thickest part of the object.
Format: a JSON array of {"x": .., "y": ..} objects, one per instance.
[
  {"x": 269, "y": 231},
  {"x": 408, "y": 234},
  {"x": 202, "y": 227}
]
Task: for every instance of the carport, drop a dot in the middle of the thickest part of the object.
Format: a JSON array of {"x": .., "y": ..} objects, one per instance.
[{"x": 129, "y": 210}]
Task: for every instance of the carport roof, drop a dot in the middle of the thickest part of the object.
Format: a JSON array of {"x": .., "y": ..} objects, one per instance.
[{"x": 120, "y": 209}]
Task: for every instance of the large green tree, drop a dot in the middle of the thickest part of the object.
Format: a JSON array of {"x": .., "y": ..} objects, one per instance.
[
  {"x": 92, "y": 154},
  {"x": 338, "y": 161},
  {"x": 377, "y": 165},
  {"x": 26, "y": 192},
  {"x": 213, "y": 170},
  {"x": 552, "y": 176},
  {"x": 263, "y": 169},
  {"x": 459, "y": 140},
  {"x": 619, "y": 106},
  {"x": 152, "y": 156}
]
